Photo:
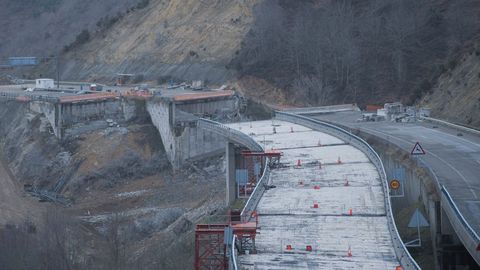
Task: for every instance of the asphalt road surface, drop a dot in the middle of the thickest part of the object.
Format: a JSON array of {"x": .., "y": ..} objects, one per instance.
[{"x": 453, "y": 156}]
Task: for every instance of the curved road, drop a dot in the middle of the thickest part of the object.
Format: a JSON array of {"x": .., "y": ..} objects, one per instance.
[{"x": 454, "y": 159}]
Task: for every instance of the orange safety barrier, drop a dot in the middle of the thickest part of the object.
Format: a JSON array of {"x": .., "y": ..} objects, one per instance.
[
  {"x": 205, "y": 95},
  {"x": 86, "y": 97}
]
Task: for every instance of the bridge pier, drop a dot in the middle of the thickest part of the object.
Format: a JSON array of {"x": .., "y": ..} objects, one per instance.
[{"x": 230, "y": 171}]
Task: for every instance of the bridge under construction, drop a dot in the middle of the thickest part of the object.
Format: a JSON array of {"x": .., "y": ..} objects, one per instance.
[{"x": 325, "y": 208}]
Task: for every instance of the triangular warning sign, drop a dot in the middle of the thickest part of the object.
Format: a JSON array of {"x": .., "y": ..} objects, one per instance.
[
  {"x": 418, "y": 220},
  {"x": 417, "y": 150}
]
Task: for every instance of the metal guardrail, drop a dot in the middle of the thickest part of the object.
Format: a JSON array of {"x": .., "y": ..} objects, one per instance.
[
  {"x": 245, "y": 140},
  {"x": 406, "y": 260},
  {"x": 463, "y": 229},
  {"x": 230, "y": 133},
  {"x": 256, "y": 195},
  {"x": 233, "y": 255},
  {"x": 448, "y": 124},
  {"x": 323, "y": 109}
]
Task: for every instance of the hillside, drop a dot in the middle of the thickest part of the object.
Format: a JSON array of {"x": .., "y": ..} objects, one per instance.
[
  {"x": 44, "y": 27},
  {"x": 327, "y": 52},
  {"x": 306, "y": 52},
  {"x": 188, "y": 40},
  {"x": 456, "y": 95},
  {"x": 124, "y": 210}
]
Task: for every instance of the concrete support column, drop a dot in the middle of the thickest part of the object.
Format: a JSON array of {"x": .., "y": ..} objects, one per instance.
[
  {"x": 230, "y": 182},
  {"x": 59, "y": 121}
]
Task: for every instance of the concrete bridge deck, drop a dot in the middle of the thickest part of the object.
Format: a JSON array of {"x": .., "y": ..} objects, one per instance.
[{"x": 287, "y": 215}]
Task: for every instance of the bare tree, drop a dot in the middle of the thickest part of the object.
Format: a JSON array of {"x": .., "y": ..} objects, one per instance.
[{"x": 116, "y": 238}]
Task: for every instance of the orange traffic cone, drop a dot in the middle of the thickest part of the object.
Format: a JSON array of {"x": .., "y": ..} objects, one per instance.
[
  {"x": 350, "y": 212},
  {"x": 399, "y": 267}
]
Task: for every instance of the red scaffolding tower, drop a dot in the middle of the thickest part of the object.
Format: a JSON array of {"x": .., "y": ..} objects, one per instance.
[{"x": 211, "y": 247}]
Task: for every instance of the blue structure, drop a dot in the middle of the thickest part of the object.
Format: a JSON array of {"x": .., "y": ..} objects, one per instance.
[{"x": 22, "y": 61}]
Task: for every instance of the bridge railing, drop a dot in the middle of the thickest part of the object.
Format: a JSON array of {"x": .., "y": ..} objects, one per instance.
[
  {"x": 247, "y": 141},
  {"x": 406, "y": 260},
  {"x": 230, "y": 133},
  {"x": 232, "y": 263},
  {"x": 27, "y": 97},
  {"x": 465, "y": 232}
]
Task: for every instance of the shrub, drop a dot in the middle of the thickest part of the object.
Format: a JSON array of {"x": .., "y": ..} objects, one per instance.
[{"x": 143, "y": 4}]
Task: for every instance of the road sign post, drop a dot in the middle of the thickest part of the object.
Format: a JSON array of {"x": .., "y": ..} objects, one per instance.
[
  {"x": 397, "y": 184},
  {"x": 417, "y": 220}
]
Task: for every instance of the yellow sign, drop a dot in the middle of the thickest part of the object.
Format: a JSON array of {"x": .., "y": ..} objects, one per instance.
[{"x": 394, "y": 184}]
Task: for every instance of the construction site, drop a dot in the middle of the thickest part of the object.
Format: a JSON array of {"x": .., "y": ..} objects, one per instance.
[{"x": 288, "y": 191}]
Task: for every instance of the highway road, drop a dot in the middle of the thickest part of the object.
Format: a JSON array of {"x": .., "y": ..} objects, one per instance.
[{"x": 453, "y": 156}]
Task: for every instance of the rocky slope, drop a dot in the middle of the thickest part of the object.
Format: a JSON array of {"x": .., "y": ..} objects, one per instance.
[
  {"x": 127, "y": 208},
  {"x": 456, "y": 95},
  {"x": 44, "y": 27}
]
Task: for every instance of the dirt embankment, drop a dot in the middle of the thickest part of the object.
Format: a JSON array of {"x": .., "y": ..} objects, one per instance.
[{"x": 129, "y": 209}]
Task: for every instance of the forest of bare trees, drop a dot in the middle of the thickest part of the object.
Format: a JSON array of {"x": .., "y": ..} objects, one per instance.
[
  {"x": 61, "y": 241},
  {"x": 356, "y": 51}
]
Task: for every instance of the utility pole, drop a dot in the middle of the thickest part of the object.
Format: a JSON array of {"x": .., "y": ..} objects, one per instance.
[{"x": 58, "y": 70}]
